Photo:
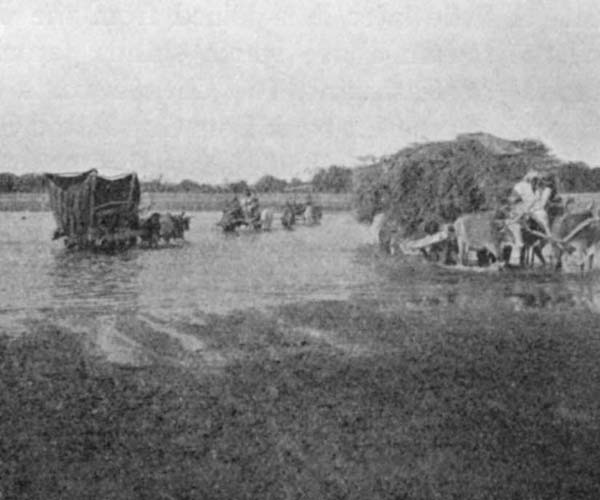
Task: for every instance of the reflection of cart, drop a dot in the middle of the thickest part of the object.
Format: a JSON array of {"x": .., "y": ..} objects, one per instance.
[{"x": 95, "y": 212}]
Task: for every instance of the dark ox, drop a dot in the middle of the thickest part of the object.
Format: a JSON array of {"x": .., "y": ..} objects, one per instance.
[
  {"x": 233, "y": 217},
  {"x": 166, "y": 226},
  {"x": 288, "y": 218},
  {"x": 149, "y": 229},
  {"x": 172, "y": 227},
  {"x": 582, "y": 245}
]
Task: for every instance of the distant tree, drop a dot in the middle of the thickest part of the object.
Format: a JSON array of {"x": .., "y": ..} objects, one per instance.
[
  {"x": 222, "y": 188},
  {"x": 270, "y": 184},
  {"x": 594, "y": 179},
  {"x": 208, "y": 188},
  {"x": 29, "y": 183},
  {"x": 333, "y": 180},
  {"x": 295, "y": 182},
  {"x": 238, "y": 187},
  {"x": 153, "y": 186},
  {"x": 7, "y": 182},
  {"x": 577, "y": 177},
  {"x": 371, "y": 192},
  {"x": 188, "y": 186}
]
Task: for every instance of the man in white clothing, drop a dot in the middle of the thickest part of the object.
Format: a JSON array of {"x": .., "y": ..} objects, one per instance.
[
  {"x": 529, "y": 197},
  {"x": 539, "y": 207}
]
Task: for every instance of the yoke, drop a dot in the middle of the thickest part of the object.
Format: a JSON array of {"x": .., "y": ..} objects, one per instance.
[{"x": 564, "y": 242}]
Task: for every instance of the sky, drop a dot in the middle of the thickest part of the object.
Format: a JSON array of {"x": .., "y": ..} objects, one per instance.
[{"x": 222, "y": 90}]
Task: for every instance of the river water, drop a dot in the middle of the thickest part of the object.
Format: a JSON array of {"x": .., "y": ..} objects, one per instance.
[{"x": 211, "y": 273}]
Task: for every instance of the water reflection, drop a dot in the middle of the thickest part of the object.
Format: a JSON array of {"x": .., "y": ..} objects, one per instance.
[
  {"x": 85, "y": 280},
  {"x": 413, "y": 284}
]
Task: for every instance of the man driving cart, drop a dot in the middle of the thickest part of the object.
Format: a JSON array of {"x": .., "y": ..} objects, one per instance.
[
  {"x": 530, "y": 198},
  {"x": 251, "y": 208}
]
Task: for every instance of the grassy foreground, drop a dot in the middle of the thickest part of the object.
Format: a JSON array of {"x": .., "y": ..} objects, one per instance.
[{"x": 325, "y": 400}]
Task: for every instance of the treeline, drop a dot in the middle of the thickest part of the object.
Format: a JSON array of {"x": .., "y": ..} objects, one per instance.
[
  {"x": 578, "y": 177},
  {"x": 334, "y": 179},
  {"x": 574, "y": 177},
  {"x": 28, "y": 183}
]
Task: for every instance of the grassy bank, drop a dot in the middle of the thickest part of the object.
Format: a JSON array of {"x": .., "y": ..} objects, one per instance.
[
  {"x": 24, "y": 202},
  {"x": 182, "y": 201},
  {"x": 320, "y": 401},
  {"x": 583, "y": 200},
  {"x": 36, "y": 202}
]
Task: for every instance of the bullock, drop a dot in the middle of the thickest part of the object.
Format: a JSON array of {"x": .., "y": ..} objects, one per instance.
[
  {"x": 149, "y": 229},
  {"x": 288, "y": 218},
  {"x": 298, "y": 208},
  {"x": 182, "y": 224},
  {"x": 533, "y": 244},
  {"x": 173, "y": 226},
  {"x": 312, "y": 214},
  {"x": 232, "y": 219},
  {"x": 478, "y": 232},
  {"x": 581, "y": 239},
  {"x": 266, "y": 219},
  {"x": 533, "y": 239},
  {"x": 446, "y": 249}
]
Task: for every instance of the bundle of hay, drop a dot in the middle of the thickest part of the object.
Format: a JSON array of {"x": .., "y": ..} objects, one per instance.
[
  {"x": 370, "y": 191},
  {"x": 434, "y": 183}
]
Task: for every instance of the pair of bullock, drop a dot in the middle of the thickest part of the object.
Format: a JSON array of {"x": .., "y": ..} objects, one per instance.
[
  {"x": 309, "y": 214},
  {"x": 234, "y": 218},
  {"x": 164, "y": 227},
  {"x": 576, "y": 234}
]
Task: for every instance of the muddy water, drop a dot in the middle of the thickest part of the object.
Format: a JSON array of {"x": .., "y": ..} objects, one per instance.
[{"x": 212, "y": 273}]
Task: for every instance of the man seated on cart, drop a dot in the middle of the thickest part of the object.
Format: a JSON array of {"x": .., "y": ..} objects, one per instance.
[
  {"x": 251, "y": 207},
  {"x": 529, "y": 199}
]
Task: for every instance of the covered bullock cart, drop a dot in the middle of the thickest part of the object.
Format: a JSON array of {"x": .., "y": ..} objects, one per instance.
[{"x": 95, "y": 212}]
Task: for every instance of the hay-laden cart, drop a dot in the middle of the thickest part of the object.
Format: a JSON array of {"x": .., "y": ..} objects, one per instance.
[{"x": 95, "y": 212}]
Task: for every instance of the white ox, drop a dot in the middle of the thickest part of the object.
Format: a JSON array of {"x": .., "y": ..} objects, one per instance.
[
  {"x": 476, "y": 232},
  {"x": 312, "y": 215},
  {"x": 266, "y": 219}
]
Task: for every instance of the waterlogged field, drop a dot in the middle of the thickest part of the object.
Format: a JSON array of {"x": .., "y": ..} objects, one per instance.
[{"x": 298, "y": 364}]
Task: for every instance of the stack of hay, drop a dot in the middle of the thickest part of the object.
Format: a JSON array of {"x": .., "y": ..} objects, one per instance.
[{"x": 433, "y": 183}]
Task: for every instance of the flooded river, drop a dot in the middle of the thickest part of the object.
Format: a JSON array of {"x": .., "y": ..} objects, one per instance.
[{"x": 211, "y": 273}]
